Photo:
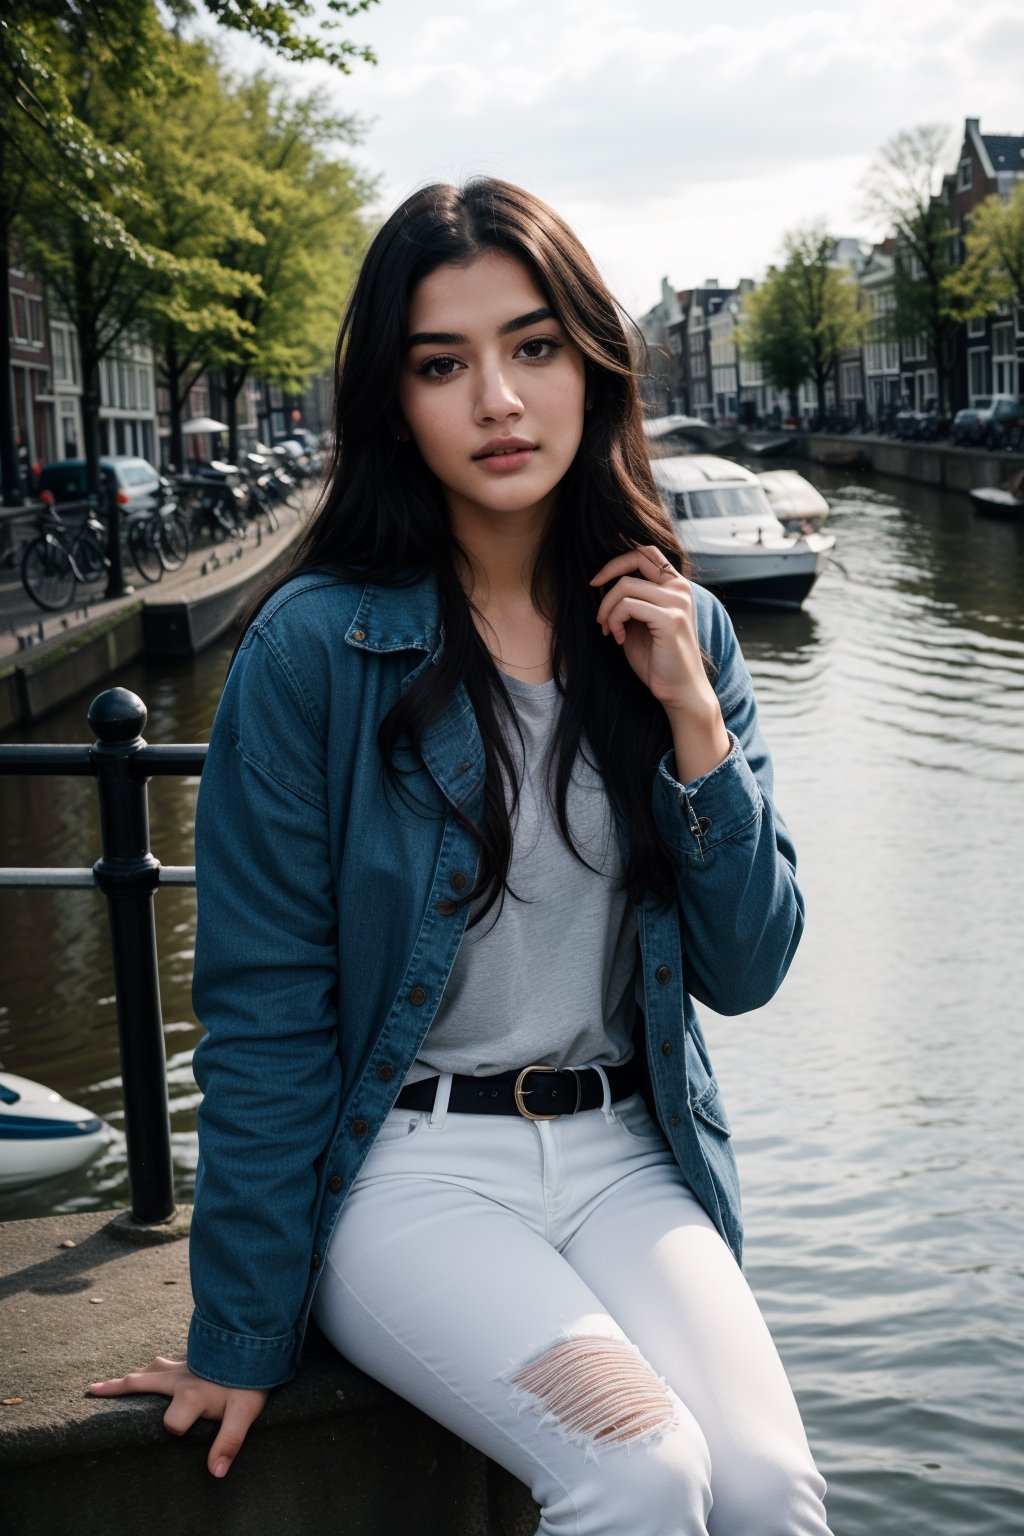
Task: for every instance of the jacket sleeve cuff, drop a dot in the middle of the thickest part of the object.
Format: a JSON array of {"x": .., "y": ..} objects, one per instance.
[
  {"x": 691, "y": 818},
  {"x": 240, "y": 1359}
]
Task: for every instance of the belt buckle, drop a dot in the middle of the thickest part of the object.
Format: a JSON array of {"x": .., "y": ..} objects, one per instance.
[{"x": 519, "y": 1093}]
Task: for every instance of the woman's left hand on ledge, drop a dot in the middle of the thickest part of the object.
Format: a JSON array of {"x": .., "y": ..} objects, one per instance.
[{"x": 192, "y": 1398}]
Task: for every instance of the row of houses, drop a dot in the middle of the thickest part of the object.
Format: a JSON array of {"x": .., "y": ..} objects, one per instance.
[
  {"x": 46, "y": 381},
  {"x": 697, "y": 369}
]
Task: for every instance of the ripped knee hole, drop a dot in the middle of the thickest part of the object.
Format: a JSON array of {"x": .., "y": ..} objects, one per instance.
[{"x": 601, "y": 1389}]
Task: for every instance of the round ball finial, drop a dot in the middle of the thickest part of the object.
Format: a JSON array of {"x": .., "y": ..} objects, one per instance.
[{"x": 118, "y": 715}]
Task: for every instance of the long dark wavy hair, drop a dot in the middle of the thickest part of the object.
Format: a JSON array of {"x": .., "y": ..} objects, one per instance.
[{"x": 383, "y": 517}]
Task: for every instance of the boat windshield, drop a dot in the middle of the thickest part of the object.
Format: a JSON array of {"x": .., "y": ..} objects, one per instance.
[{"x": 725, "y": 501}]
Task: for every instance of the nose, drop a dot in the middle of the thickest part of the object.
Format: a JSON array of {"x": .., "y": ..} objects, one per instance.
[{"x": 496, "y": 398}]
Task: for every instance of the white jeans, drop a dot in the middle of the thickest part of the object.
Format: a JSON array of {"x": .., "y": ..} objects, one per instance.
[{"x": 554, "y": 1294}]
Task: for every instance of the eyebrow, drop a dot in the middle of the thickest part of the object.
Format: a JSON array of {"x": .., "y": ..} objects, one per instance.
[{"x": 455, "y": 339}]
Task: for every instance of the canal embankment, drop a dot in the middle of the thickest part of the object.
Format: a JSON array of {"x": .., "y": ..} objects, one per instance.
[
  {"x": 85, "y": 1296},
  {"x": 943, "y": 465},
  {"x": 45, "y": 660}
]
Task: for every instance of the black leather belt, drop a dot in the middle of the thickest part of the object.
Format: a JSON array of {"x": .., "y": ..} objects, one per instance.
[{"x": 551, "y": 1092}]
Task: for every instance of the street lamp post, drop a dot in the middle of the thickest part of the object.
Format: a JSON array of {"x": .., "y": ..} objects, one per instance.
[{"x": 735, "y": 311}]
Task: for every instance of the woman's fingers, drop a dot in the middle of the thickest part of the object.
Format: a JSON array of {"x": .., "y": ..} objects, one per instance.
[
  {"x": 240, "y": 1412},
  {"x": 192, "y": 1398},
  {"x": 672, "y": 597},
  {"x": 647, "y": 559},
  {"x": 660, "y": 621},
  {"x": 153, "y": 1377}
]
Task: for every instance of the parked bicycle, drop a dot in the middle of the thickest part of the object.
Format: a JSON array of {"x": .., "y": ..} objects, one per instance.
[
  {"x": 158, "y": 539},
  {"x": 60, "y": 558}
]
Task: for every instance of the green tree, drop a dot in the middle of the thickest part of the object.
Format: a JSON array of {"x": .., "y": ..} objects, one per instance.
[
  {"x": 192, "y": 169},
  {"x": 802, "y": 316},
  {"x": 88, "y": 241},
  {"x": 992, "y": 271},
  {"x": 56, "y": 56},
  {"x": 898, "y": 192},
  {"x": 304, "y": 205}
]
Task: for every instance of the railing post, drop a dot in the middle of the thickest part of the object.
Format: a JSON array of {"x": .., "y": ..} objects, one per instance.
[{"x": 128, "y": 875}]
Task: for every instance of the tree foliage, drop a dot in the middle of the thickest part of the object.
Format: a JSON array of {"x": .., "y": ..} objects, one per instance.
[
  {"x": 803, "y": 315},
  {"x": 305, "y": 237},
  {"x": 992, "y": 272},
  {"x": 900, "y": 192},
  {"x": 138, "y": 185}
]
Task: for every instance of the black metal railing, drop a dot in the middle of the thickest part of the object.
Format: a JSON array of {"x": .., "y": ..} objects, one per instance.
[{"x": 128, "y": 875}]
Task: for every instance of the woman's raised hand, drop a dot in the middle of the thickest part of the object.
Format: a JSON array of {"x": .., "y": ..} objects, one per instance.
[
  {"x": 649, "y": 610},
  {"x": 193, "y": 1398}
]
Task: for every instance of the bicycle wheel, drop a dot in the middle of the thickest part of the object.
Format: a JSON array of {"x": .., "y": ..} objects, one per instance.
[
  {"x": 142, "y": 546},
  {"x": 90, "y": 557},
  {"x": 173, "y": 542},
  {"x": 47, "y": 574}
]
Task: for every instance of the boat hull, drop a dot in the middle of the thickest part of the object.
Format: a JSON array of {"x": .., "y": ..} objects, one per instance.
[
  {"x": 990, "y": 501},
  {"x": 43, "y": 1136},
  {"x": 777, "y": 581}
]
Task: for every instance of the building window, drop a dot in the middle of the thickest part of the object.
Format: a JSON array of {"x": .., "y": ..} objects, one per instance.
[
  {"x": 1004, "y": 360},
  {"x": 19, "y": 318},
  {"x": 964, "y": 175},
  {"x": 977, "y": 373},
  {"x": 927, "y": 390},
  {"x": 35, "y": 321},
  {"x": 58, "y": 345},
  {"x": 976, "y": 326}
]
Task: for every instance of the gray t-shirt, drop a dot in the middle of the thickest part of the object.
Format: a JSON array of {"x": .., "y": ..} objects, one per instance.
[{"x": 551, "y": 980}]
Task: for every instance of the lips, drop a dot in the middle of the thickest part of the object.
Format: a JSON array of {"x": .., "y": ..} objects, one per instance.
[{"x": 501, "y": 447}]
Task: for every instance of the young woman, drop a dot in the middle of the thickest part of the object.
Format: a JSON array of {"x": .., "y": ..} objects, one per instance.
[{"x": 486, "y": 805}]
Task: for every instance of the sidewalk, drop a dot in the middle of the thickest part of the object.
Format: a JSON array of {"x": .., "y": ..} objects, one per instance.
[{"x": 47, "y": 658}]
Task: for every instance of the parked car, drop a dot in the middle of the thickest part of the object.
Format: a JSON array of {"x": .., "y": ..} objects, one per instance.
[
  {"x": 996, "y": 420},
  {"x": 135, "y": 481}
]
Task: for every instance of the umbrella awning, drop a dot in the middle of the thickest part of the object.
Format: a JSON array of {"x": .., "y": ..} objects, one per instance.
[{"x": 199, "y": 424}]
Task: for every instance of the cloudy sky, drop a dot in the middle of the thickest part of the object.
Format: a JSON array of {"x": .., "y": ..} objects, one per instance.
[{"x": 675, "y": 142}]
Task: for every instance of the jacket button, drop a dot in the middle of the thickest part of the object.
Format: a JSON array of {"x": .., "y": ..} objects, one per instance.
[
  {"x": 663, "y": 974},
  {"x": 385, "y": 1072},
  {"x": 359, "y": 1127},
  {"x": 418, "y": 996},
  {"x": 359, "y": 634},
  {"x": 316, "y": 1261},
  {"x": 666, "y": 1047},
  {"x": 673, "y": 1120},
  {"x": 703, "y": 826},
  {"x": 335, "y": 1185},
  {"x": 463, "y": 768},
  {"x": 459, "y": 880},
  {"x": 446, "y": 908}
]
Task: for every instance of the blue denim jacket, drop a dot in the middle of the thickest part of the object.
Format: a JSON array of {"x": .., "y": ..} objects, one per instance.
[{"x": 328, "y": 925}]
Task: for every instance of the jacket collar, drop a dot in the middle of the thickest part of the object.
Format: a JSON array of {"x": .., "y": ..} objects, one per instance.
[{"x": 398, "y": 618}]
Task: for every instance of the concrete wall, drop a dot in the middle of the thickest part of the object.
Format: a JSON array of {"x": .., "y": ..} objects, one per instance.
[{"x": 958, "y": 469}]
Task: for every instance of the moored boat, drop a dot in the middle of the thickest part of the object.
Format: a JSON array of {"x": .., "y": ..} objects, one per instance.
[
  {"x": 736, "y": 544},
  {"x": 43, "y": 1135},
  {"x": 994, "y": 501},
  {"x": 1005, "y": 501},
  {"x": 798, "y": 505}
]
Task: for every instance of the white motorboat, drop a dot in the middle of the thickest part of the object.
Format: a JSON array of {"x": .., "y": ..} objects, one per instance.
[
  {"x": 736, "y": 544},
  {"x": 43, "y": 1135},
  {"x": 668, "y": 436},
  {"x": 798, "y": 505}
]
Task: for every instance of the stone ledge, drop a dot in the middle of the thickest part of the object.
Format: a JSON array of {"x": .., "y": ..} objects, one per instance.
[{"x": 333, "y": 1450}]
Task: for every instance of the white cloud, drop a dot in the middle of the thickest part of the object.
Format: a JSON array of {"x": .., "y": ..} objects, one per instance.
[{"x": 679, "y": 143}]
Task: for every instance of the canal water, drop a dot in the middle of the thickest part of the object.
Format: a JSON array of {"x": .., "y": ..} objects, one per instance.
[{"x": 877, "y": 1100}]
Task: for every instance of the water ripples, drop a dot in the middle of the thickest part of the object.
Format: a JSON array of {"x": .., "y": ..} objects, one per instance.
[{"x": 876, "y": 1100}]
